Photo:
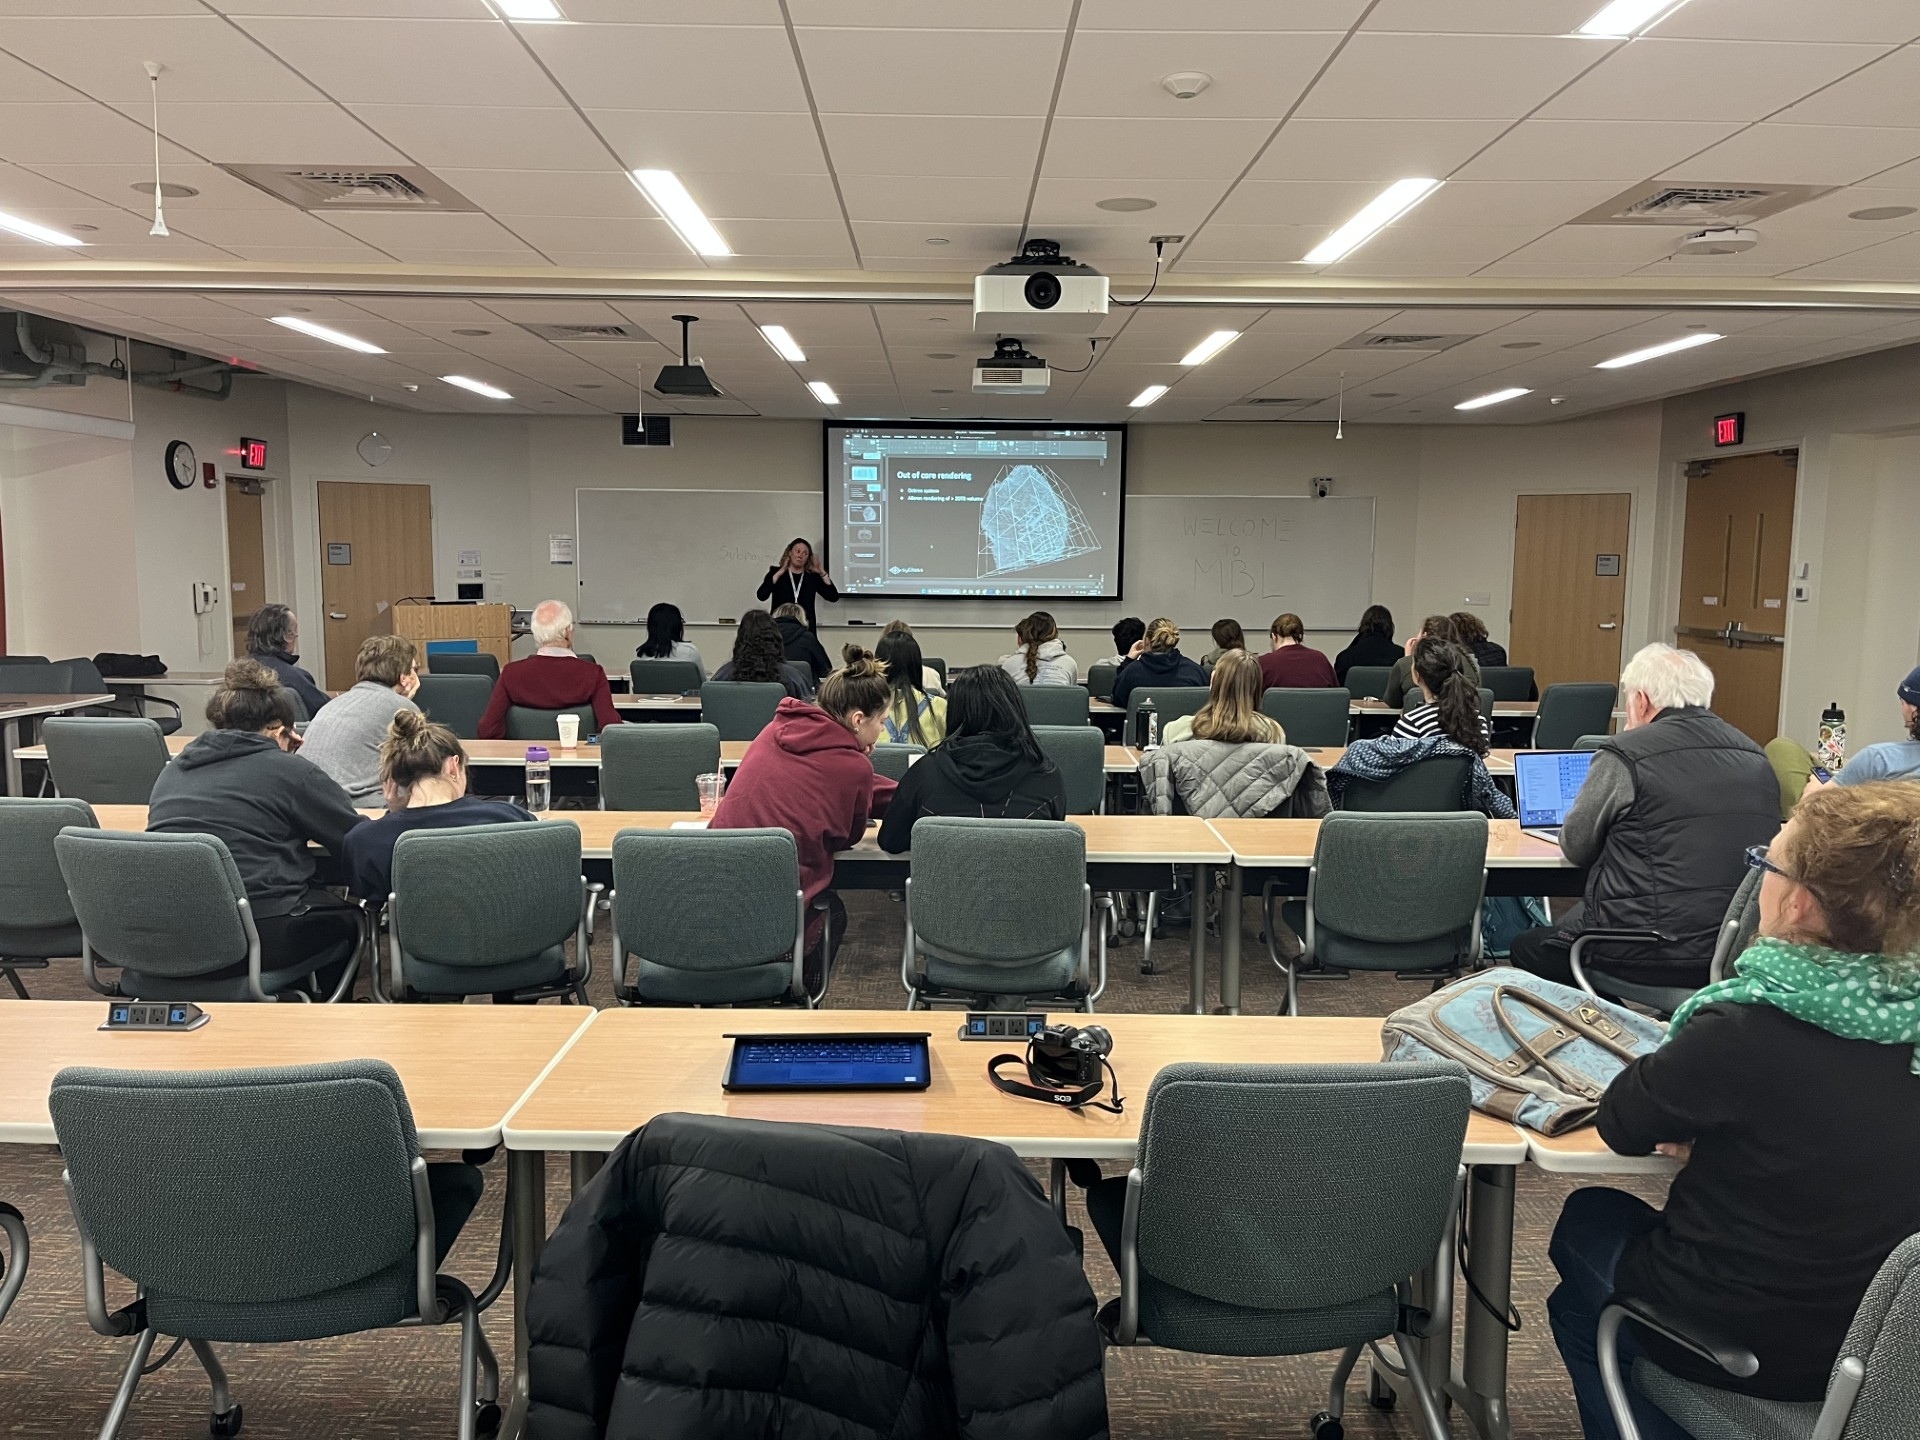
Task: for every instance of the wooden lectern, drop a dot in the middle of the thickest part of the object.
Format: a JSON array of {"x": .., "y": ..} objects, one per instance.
[{"x": 463, "y": 628}]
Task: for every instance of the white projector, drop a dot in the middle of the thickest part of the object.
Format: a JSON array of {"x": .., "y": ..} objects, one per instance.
[
  {"x": 1010, "y": 370},
  {"x": 1039, "y": 292}
]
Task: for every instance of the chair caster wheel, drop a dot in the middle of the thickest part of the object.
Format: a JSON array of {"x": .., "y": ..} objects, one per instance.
[
  {"x": 226, "y": 1425},
  {"x": 486, "y": 1421},
  {"x": 1326, "y": 1427},
  {"x": 1379, "y": 1395}
]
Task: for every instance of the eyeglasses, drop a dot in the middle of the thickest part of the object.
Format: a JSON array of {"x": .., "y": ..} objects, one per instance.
[{"x": 1757, "y": 859}]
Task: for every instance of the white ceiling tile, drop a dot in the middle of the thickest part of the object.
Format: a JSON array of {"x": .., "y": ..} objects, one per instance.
[
  {"x": 1165, "y": 149},
  {"x": 1416, "y": 269},
  {"x": 669, "y": 12},
  {"x": 609, "y": 194},
  {"x": 78, "y": 133},
  {"x": 822, "y": 239},
  {"x": 639, "y": 237},
  {"x": 491, "y": 137},
  {"x": 266, "y": 133},
  {"x": 1622, "y": 150},
  {"x": 428, "y": 62},
  {"x": 343, "y": 252},
  {"x": 1892, "y": 260},
  {"x": 1117, "y": 72},
  {"x": 1806, "y": 154},
  {"x": 1460, "y": 77},
  {"x": 29, "y": 193},
  {"x": 1375, "y": 150},
  {"x": 20, "y": 83},
  {"x": 935, "y": 199},
  {"x": 206, "y": 59},
  {"x": 70, "y": 8},
  {"x": 1438, "y": 244},
  {"x": 1181, "y": 204},
  {"x": 745, "y": 143},
  {"x": 351, "y": 9},
  {"x": 283, "y": 225},
  {"x": 919, "y": 145},
  {"x": 116, "y": 184},
  {"x": 1888, "y": 21},
  {"x": 447, "y": 230},
  {"x": 676, "y": 67},
  {"x": 1539, "y": 203},
  {"x": 969, "y": 244},
  {"x": 1834, "y": 211},
  {"x": 934, "y": 14},
  {"x": 929, "y": 72},
  {"x": 1604, "y": 244},
  {"x": 1481, "y": 17},
  {"x": 768, "y": 196},
  {"x": 1322, "y": 203},
  {"x": 1268, "y": 244},
  {"x": 1655, "y": 79},
  {"x": 1886, "y": 92}
]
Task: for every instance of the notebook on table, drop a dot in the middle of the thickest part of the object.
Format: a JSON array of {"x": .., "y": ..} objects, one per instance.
[{"x": 1547, "y": 782}]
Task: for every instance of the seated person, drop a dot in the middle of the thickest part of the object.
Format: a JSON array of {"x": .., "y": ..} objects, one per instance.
[
  {"x": 242, "y": 782},
  {"x": 1473, "y": 634},
  {"x": 667, "y": 639},
  {"x": 552, "y": 678},
  {"x": 1228, "y": 759},
  {"x": 1292, "y": 664},
  {"x": 1668, "y": 809},
  {"x": 1449, "y": 724},
  {"x": 1440, "y": 669},
  {"x": 1791, "y": 1093},
  {"x": 990, "y": 765},
  {"x": 1042, "y": 658},
  {"x": 345, "y": 738},
  {"x": 273, "y": 638},
  {"x": 1227, "y": 635},
  {"x": 1156, "y": 660},
  {"x": 809, "y": 773},
  {"x": 1372, "y": 643},
  {"x": 1126, "y": 635},
  {"x": 915, "y": 717},
  {"x": 423, "y": 774},
  {"x": 1890, "y": 759},
  {"x": 801, "y": 645},
  {"x": 930, "y": 680},
  {"x": 1232, "y": 712},
  {"x": 1434, "y": 627},
  {"x": 760, "y": 658}
]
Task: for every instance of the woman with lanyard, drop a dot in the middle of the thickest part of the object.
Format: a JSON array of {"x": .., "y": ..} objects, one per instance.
[
  {"x": 795, "y": 580},
  {"x": 1791, "y": 1094}
]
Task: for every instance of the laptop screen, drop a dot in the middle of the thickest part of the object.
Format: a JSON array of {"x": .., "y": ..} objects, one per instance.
[{"x": 1547, "y": 782}]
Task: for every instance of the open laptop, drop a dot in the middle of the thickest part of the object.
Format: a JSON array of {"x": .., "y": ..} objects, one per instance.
[{"x": 1546, "y": 783}]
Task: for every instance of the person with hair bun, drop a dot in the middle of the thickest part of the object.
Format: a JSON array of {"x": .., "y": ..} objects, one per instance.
[
  {"x": 423, "y": 773},
  {"x": 242, "y": 782},
  {"x": 1791, "y": 1093},
  {"x": 1156, "y": 660},
  {"x": 809, "y": 773},
  {"x": 1042, "y": 658}
]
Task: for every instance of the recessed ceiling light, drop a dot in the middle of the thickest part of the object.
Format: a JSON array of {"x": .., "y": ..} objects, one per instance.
[
  {"x": 943, "y": 392},
  {"x": 938, "y": 320},
  {"x": 1480, "y": 402},
  {"x": 589, "y": 387},
  {"x": 1520, "y": 345},
  {"x": 44, "y": 234},
  {"x": 938, "y": 240},
  {"x": 1209, "y": 347},
  {"x": 473, "y": 332},
  {"x": 1384, "y": 395},
  {"x": 332, "y": 337},
  {"x": 170, "y": 190},
  {"x": 1875, "y": 212},
  {"x": 783, "y": 343},
  {"x": 528, "y": 10},
  {"x": 1147, "y": 396},
  {"x": 1654, "y": 352},
  {"x": 942, "y": 355},
  {"x": 1620, "y": 18},
  {"x": 478, "y": 387},
  {"x": 823, "y": 392},
  {"x": 1126, "y": 203},
  {"x": 84, "y": 229},
  {"x": 676, "y": 207},
  {"x": 1386, "y": 207}
]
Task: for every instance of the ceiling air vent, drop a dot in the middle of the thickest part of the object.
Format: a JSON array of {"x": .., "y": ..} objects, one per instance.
[
  {"x": 330, "y": 188},
  {"x": 1404, "y": 342},
  {"x": 574, "y": 334},
  {"x": 1662, "y": 202},
  {"x": 1280, "y": 400}
]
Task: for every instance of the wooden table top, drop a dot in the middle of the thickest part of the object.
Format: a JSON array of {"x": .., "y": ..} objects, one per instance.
[
  {"x": 172, "y": 677},
  {"x": 1291, "y": 842},
  {"x": 1583, "y": 1152},
  {"x": 1502, "y": 709},
  {"x": 633, "y": 1065},
  {"x": 464, "y": 1066},
  {"x": 21, "y": 707},
  {"x": 656, "y": 702}
]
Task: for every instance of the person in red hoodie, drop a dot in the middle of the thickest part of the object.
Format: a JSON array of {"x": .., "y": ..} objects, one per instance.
[
  {"x": 552, "y": 678},
  {"x": 808, "y": 773},
  {"x": 1292, "y": 663}
]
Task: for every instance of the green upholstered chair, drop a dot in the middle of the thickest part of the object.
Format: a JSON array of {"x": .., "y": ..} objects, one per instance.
[
  {"x": 1169, "y": 703},
  {"x": 456, "y": 701},
  {"x": 1100, "y": 677},
  {"x": 740, "y": 708},
  {"x": 893, "y": 760},
  {"x": 13, "y": 1269},
  {"x": 475, "y": 662},
  {"x": 1080, "y": 752},
  {"x": 104, "y": 760},
  {"x": 1569, "y": 711},
  {"x": 1313, "y": 719},
  {"x": 652, "y": 767},
  {"x": 1508, "y": 682},
  {"x": 526, "y": 723},
  {"x": 1436, "y": 783},
  {"x": 37, "y": 922},
  {"x": 1369, "y": 681},
  {"x": 1055, "y": 704},
  {"x": 665, "y": 677}
]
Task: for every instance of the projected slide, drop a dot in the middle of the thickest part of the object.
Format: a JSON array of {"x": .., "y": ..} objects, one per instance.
[{"x": 990, "y": 510}]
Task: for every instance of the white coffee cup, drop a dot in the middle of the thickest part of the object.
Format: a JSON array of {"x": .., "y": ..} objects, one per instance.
[{"x": 569, "y": 730}]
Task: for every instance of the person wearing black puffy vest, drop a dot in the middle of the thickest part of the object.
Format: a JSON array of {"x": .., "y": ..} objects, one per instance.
[{"x": 1663, "y": 824}]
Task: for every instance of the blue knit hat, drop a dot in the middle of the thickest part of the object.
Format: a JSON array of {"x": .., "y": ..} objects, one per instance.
[{"x": 1910, "y": 687}]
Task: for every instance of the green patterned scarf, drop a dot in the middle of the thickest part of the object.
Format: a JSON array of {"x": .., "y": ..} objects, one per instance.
[{"x": 1857, "y": 997}]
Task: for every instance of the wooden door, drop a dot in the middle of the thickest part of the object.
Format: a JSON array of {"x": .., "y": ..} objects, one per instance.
[
  {"x": 376, "y": 547},
  {"x": 246, "y": 561},
  {"x": 1734, "y": 580},
  {"x": 1569, "y": 585}
]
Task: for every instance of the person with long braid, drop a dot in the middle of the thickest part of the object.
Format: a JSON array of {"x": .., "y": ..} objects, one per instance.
[{"x": 1042, "y": 658}]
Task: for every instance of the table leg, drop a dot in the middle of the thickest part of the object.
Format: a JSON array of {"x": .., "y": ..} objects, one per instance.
[
  {"x": 1197, "y": 991},
  {"x": 586, "y": 1165},
  {"x": 1481, "y": 1385},
  {"x": 10, "y": 737},
  {"x": 527, "y": 1215},
  {"x": 1230, "y": 908}
]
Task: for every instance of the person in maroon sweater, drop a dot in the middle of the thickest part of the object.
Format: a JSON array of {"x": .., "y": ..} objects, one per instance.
[
  {"x": 1292, "y": 664},
  {"x": 552, "y": 678},
  {"x": 808, "y": 773}
]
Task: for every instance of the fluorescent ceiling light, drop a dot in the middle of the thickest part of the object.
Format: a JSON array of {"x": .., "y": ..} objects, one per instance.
[
  {"x": 1654, "y": 352},
  {"x": 784, "y": 345},
  {"x": 41, "y": 233},
  {"x": 1147, "y": 396},
  {"x": 1620, "y": 18},
  {"x": 321, "y": 332},
  {"x": 1209, "y": 347},
  {"x": 1386, "y": 207},
  {"x": 823, "y": 392},
  {"x": 478, "y": 387},
  {"x": 676, "y": 207},
  {"x": 528, "y": 10},
  {"x": 1480, "y": 402}
]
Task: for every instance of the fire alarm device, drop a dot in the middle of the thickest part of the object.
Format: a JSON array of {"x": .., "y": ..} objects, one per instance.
[{"x": 209, "y": 474}]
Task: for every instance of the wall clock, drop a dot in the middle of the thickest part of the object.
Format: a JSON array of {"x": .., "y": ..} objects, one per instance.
[{"x": 182, "y": 469}]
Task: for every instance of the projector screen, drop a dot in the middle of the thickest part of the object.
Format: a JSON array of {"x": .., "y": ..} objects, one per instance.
[{"x": 997, "y": 510}]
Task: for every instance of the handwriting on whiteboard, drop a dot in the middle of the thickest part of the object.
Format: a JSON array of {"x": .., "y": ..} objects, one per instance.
[
  {"x": 1240, "y": 527},
  {"x": 1234, "y": 576}
]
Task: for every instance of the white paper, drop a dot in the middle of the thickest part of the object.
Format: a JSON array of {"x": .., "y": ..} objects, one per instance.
[
  {"x": 468, "y": 560},
  {"x": 1709, "y": 599},
  {"x": 560, "y": 549},
  {"x": 1771, "y": 604}
]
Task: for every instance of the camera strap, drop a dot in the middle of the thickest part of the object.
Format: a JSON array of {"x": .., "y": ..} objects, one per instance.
[{"x": 1040, "y": 1087}]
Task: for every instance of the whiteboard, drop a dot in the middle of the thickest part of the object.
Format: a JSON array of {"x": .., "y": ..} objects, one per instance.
[{"x": 703, "y": 550}]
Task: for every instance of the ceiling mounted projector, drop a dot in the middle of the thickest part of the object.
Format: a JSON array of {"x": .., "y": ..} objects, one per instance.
[
  {"x": 1010, "y": 370},
  {"x": 1039, "y": 292},
  {"x": 686, "y": 378},
  {"x": 1718, "y": 242}
]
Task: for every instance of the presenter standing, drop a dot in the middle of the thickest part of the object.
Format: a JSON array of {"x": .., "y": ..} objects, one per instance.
[{"x": 796, "y": 580}]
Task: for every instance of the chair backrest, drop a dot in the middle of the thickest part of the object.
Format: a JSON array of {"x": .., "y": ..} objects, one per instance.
[
  {"x": 165, "y": 905},
  {"x": 1508, "y": 682},
  {"x": 1587, "y": 742},
  {"x": 706, "y": 899},
  {"x": 38, "y": 678},
  {"x": 740, "y": 708},
  {"x": 1397, "y": 890},
  {"x": 1368, "y": 680},
  {"x": 1081, "y": 753},
  {"x": 1885, "y": 1337},
  {"x": 33, "y": 892},
  {"x": 938, "y": 665},
  {"x": 664, "y": 677},
  {"x": 1741, "y": 924},
  {"x": 24, "y": 660},
  {"x": 526, "y": 723},
  {"x": 487, "y": 894},
  {"x": 1571, "y": 710},
  {"x": 998, "y": 891},
  {"x": 109, "y": 761},
  {"x": 1100, "y": 679},
  {"x": 583, "y": 655},
  {"x": 652, "y": 767},
  {"x": 1170, "y": 702},
  {"x": 1486, "y": 706},
  {"x": 234, "y": 1187},
  {"x": 1312, "y": 718},
  {"x": 892, "y": 760},
  {"x": 1437, "y": 783},
  {"x": 476, "y": 662},
  {"x": 1294, "y": 1187},
  {"x": 1055, "y": 704},
  {"x": 455, "y": 701}
]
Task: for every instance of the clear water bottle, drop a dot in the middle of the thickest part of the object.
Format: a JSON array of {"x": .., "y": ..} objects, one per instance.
[
  {"x": 1149, "y": 725},
  {"x": 1832, "y": 748},
  {"x": 539, "y": 779}
]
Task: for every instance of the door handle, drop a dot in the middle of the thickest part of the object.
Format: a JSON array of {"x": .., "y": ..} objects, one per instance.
[
  {"x": 336, "y": 615},
  {"x": 1609, "y": 625}
]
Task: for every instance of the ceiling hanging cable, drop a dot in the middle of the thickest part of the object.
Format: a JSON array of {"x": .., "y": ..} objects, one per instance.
[
  {"x": 1159, "y": 252},
  {"x": 154, "y": 67},
  {"x": 1340, "y": 410}
]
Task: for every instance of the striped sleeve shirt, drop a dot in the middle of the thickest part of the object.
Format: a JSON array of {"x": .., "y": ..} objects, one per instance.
[{"x": 1424, "y": 720}]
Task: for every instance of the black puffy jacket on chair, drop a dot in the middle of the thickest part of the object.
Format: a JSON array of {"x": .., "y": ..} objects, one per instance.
[{"x": 735, "y": 1278}]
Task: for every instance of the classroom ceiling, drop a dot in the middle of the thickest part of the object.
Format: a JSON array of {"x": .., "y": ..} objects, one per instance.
[{"x": 871, "y": 150}]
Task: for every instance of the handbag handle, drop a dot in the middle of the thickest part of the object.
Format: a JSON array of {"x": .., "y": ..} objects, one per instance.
[{"x": 1570, "y": 1025}]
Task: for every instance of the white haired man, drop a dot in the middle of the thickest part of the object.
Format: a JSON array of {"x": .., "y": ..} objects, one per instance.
[
  {"x": 1663, "y": 824},
  {"x": 552, "y": 678}
]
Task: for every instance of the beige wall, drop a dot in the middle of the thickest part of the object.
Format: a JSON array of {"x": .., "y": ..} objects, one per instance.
[{"x": 67, "y": 522}]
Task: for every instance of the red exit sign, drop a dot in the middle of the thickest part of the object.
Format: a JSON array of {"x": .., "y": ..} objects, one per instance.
[
  {"x": 253, "y": 454},
  {"x": 1730, "y": 429}
]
